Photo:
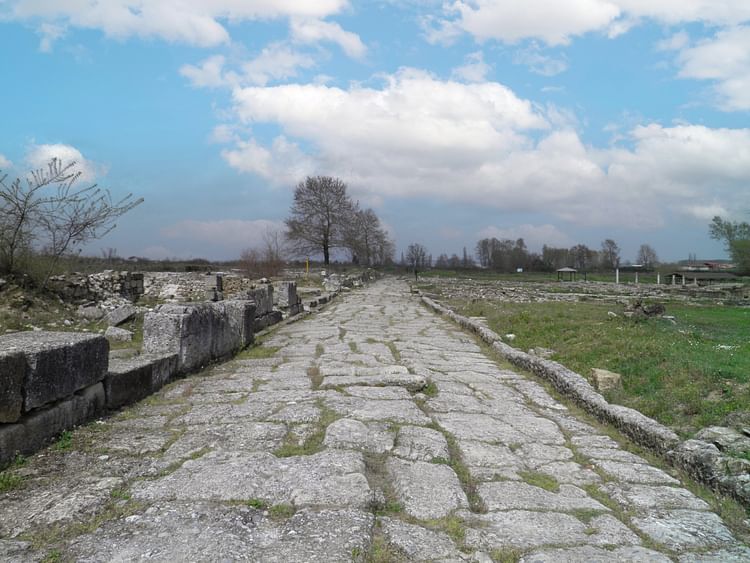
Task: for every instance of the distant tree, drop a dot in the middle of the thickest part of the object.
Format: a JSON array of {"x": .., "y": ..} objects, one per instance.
[
  {"x": 647, "y": 257},
  {"x": 466, "y": 260},
  {"x": 442, "y": 262},
  {"x": 736, "y": 237},
  {"x": 267, "y": 259},
  {"x": 320, "y": 215},
  {"x": 416, "y": 256},
  {"x": 52, "y": 214},
  {"x": 555, "y": 258},
  {"x": 582, "y": 258},
  {"x": 365, "y": 238},
  {"x": 610, "y": 255}
]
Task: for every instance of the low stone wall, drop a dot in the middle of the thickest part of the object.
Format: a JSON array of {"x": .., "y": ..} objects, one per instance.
[
  {"x": 700, "y": 459},
  {"x": 199, "y": 333},
  {"x": 97, "y": 287},
  {"x": 132, "y": 379}
]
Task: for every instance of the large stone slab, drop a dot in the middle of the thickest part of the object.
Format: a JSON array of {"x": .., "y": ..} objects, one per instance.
[
  {"x": 12, "y": 373},
  {"x": 592, "y": 554},
  {"x": 132, "y": 379},
  {"x": 504, "y": 495},
  {"x": 685, "y": 529},
  {"x": 421, "y": 444},
  {"x": 57, "y": 363},
  {"x": 329, "y": 478},
  {"x": 347, "y": 433},
  {"x": 168, "y": 533},
  {"x": 418, "y": 543},
  {"x": 427, "y": 490},
  {"x": 198, "y": 333}
]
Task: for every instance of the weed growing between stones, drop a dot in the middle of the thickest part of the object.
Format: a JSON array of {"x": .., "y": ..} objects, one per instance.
[
  {"x": 392, "y": 347},
  {"x": 506, "y": 555},
  {"x": 342, "y": 333},
  {"x": 541, "y": 480},
  {"x": 256, "y": 385},
  {"x": 282, "y": 511},
  {"x": 452, "y": 525},
  {"x": 257, "y": 352},
  {"x": 9, "y": 481},
  {"x": 353, "y": 347},
  {"x": 316, "y": 379},
  {"x": 319, "y": 350},
  {"x": 120, "y": 493},
  {"x": 468, "y": 483},
  {"x": 64, "y": 442},
  {"x": 314, "y": 442},
  {"x": 382, "y": 552},
  {"x": 431, "y": 389},
  {"x": 257, "y": 503},
  {"x": 379, "y": 481}
]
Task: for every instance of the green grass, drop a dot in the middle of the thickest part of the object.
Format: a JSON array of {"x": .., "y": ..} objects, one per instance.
[
  {"x": 64, "y": 442},
  {"x": 281, "y": 511},
  {"x": 687, "y": 375},
  {"x": 431, "y": 389},
  {"x": 257, "y": 352},
  {"x": 9, "y": 481},
  {"x": 314, "y": 443},
  {"x": 542, "y": 480}
]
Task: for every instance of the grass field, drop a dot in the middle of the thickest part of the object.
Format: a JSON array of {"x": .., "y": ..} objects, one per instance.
[{"x": 687, "y": 375}]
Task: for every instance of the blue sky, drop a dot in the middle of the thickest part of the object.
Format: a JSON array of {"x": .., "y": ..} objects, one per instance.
[{"x": 559, "y": 121}]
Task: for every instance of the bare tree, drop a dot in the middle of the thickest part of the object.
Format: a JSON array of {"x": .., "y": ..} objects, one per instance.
[
  {"x": 319, "y": 216},
  {"x": 610, "y": 255},
  {"x": 366, "y": 239},
  {"x": 647, "y": 256},
  {"x": 416, "y": 256},
  {"x": 54, "y": 213},
  {"x": 267, "y": 259}
]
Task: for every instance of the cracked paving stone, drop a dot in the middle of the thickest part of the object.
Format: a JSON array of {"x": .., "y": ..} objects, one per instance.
[
  {"x": 211, "y": 532},
  {"x": 379, "y": 393},
  {"x": 231, "y": 437},
  {"x": 346, "y": 433},
  {"x": 418, "y": 543},
  {"x": 685, "y": 529},
  {"x": 509, "y": 496},
  {"x": 641, "y": 497},
  {"x": 18, "y": 552},
  {"x": 403, "y": 412},
  {"x": 485, "y": 428},
  {"x": 427, "y": 490},
  {"x": 421, "y": 444},
  {"x": 329, "y": 478},
  {"x": 733, "y": 555},
  {"x": 408, "y": 381},
  {"x": 524, "y": 529},
  {"x": 636, "y": 473}
]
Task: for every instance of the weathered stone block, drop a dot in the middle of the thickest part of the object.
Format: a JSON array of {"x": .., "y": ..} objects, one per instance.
[
  {"x": 198, "y": 333},
  {"x": 12, "y": 372},
  {"x": 606, "y": 380},
  {"x": 132, "y": 379},
  {"x": 57, "y": 363},
  {"x": 37, "y": 428},
  {"x": 287, "y": 295},
  {"x": 121, "y": 314},
  {"x": 118, "y": 334},
  {"x": 263, "y": 297},
  {"x": 267, "y": 320}
]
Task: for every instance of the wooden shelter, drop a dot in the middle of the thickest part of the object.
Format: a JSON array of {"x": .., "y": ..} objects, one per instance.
[{"x": 571, "y": 274}]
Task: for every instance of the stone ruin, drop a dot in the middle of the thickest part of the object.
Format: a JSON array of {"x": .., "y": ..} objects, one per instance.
[{"x": 53, "y": 381}]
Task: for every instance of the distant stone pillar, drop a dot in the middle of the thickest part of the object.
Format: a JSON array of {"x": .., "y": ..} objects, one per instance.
[
  {"x": 617, "y": 275},
  {"x": 683, "y": 279},
  {"x": 674, "y": 281},
  {"x": 219, "y": 283},
  {"x": 695, "y": 282},
  {"x": 636, "y": 277},
  {"x": 658, "y": 279}
]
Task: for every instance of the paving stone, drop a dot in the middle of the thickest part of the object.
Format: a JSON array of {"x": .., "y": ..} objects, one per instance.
[
  {"x": 685, "y": 529},
  {"x": 485, "y": 428},
  {"x": 733, "y": 555},
  {"x": 421, "y": 444},
  {"x": 427, "y": 490},
  {"x": 643, "y": 497},
  {"x": 418, "y": 543},
  {"x": 636, "y": 473},
  {"x": 347, "y": 433},
  {"x": 252, "y": 436},
  {"x": 18, "y": 552},
  {"x": 591, "y": 554},
  {"x": 570, "y": 472},
  {"x": 408, "y": 381},
  {"x": 329, "y": 478},
  {"x": 379, "y": 393},
  {"x": 403, "y": 412},
  {"x": 511, "y": 496},
  {"x": 209, "y": 532}
]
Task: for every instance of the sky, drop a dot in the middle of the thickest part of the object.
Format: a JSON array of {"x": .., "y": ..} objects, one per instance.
[{"x": 558, "y": 121}]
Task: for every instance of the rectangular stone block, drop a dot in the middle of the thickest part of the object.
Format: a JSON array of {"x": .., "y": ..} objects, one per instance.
[
  {"x": 132, "y": 379},
  {"x": 263, "y": 297},
  {"x": 198, "y": 333},
  {"x": 287, "y": 294},
  {"x": 12, "y": 373},
  {"x": 267, "y": 320},
  {"x": 57, "y": 363}
]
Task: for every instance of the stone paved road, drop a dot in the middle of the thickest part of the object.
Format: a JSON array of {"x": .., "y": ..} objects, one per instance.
[{"x": 377, "y": 432}]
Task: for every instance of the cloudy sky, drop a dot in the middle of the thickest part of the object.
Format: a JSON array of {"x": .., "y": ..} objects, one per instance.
[{"x": 559, "y": 121}]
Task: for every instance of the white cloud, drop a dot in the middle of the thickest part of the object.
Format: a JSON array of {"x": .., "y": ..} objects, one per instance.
[
  {"x": 535, "y": 236},
  {"x": 555, "y": 22},
  {"x": 38, "y": 156},
  {"x": 315, "y": 31},
  {"x": 450, "y": 233},
  {"x": 208, "y": 74},
  {"x": 276, "y": 61},
  {"x": 195, "y": 22},
  {"x": 4, "y": 162},
  {"x": 282, "y": 164},
  {"x": 675, "y": 42},
  {"x": 474, "y": 68},
  {"x": 50, "y": 33},
  {"x": 724, "y": 59},
  {"x": 538, "y": 62},
  {"x": 241, "y": 233},
  {"x": 418, "y": 136}
]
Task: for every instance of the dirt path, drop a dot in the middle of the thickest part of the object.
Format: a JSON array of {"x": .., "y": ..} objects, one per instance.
[{"x": 376, "y": 432}]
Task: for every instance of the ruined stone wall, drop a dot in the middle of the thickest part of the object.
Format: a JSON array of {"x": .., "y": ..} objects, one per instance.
[{"x": 98, "y": 287}]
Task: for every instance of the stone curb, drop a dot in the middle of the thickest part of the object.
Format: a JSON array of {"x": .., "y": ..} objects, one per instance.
[{"x": 701, "y": 460}]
